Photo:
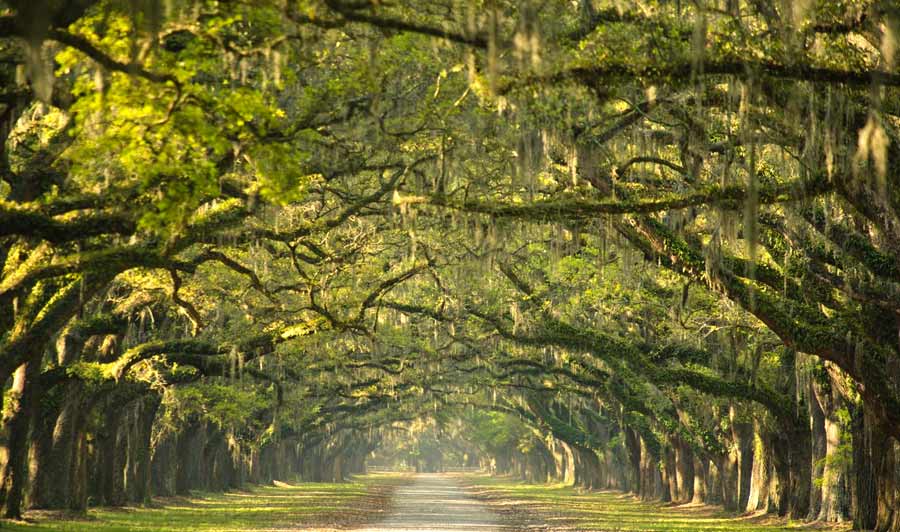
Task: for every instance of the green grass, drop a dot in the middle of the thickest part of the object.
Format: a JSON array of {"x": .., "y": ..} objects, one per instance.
[
  {"x": 565, "y": 507},
  {"x": 301, "y": 506}
]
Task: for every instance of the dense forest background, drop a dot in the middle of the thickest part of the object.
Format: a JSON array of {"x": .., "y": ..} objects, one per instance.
[{"x": 641, "y": 244}]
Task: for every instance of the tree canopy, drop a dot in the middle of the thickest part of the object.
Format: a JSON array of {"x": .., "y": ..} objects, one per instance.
[{"x": 631, "y": 243}]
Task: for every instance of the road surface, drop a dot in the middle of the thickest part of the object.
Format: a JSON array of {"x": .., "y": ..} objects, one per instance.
[{"x": 436, "y": 503}]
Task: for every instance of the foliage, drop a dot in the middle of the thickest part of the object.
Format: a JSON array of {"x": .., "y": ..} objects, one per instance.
[{"x": 330, "y": 221}]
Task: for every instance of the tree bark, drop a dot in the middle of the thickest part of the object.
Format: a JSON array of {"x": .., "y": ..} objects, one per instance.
[
  {"x": 78, "y": 496},
  {"x": 41, "y": 455},
  {"x": 650, "y": 477},
  {"x": 684, "y": 471},
  {"x": 701, "y": 480},
  {"x": 819, "y": 448},
  {"x": 140, "y": 453},
  {"x": 743, "y": 437},
  {"x": 61, "y": 464},
  {"x": 633, "y": 445},
  {"x": 23, "y": 402},
  {"x": 111, "y": 451},
  {"x": 865, "y": 496},
  {"x": 727, "y": 481},
  {"x": 587, "y": 467},
  {"x": 669, "y": 487},
  {"x": 884, "y": 467},
  {"x": 832, "y": 470},
  {"x": 164, "y": 465},
  {"x": 189, "y": 455},
  {"x": 793, "y": 469},
  {"x": 761, "y": 482},
  {"x": 54, "y": 480}
]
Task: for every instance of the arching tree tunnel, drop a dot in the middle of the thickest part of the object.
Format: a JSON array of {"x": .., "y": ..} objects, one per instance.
[{"x": 640, "y": 245}]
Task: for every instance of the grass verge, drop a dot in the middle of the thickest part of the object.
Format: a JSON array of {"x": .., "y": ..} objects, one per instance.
[
  {"x": 301, "y": 506},
  {"x": 564, "y": 508}
]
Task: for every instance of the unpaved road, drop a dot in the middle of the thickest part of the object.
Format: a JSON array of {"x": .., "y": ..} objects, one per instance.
[{"x": 436, "y": 503}]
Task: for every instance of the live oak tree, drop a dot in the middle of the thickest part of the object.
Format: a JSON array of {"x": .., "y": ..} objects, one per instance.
[{"x": 652, "y": 244}]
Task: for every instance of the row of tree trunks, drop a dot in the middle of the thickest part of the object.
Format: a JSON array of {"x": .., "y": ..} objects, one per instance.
[
  {"x": 789, "y": 470},
  {"x": 766, "y": 470},
  {"x": 587, "y": 468},
  {"x": 683, "y": 456},
  {"x": 616, "y": 461},
  {"x": 73, "y": 447},
  {"x": 538, "y": 465},
  {"x": 769, "y": 468}
]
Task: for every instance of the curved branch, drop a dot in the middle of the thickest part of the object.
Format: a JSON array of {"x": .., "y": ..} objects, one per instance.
[
  {"x": 87, "y": 48},
  {"x": 353, "y": 14},
  {"x": 600, "y": 76},
  {"x": 728, "y": 197},
  {"x": 31, "y": 224}
]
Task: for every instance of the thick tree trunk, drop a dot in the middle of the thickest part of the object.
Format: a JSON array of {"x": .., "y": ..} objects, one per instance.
[
  {"x": 875, "y": 458},
  {"x": 60, "y": 468},
  {"x": 587, "y": 468},
  {"x": 356, "y": 463},
  {"x": 819, "y": 448},
  {"x": 865, "y": 497},
  {"x": 213, "y": 455},
  {"x": 78, "y": 496},
  {"x": 884, "y": 466},
  {"x": 549, "y": 465},
  {"x": 701, "y": 480},
  {"x": 727, "y": 481},
  {"x": 164, "y": 465},
  {"x": 41, "y": 456},
  {"x": 650, "y": 477},
  {"x": 140, "y": 454},
  {"x": 569, "y": 456},
  {"x": 268, "y": 460},
  {"x": 312, "y": 459},
  {"x": 191, "y": 443},
  {"x": 53, "y": 478},
  {"x": 793, "y": 470},
  {"x": 616, "y": 461},
  {"x": 84, "y": 462},
  {"x": 684, "y": 471},
  {"x": 224, "y": 463},
  {"x": 23, "y": 398},
  {"x": 714, "y": 481},
  {"x": 531, "y": 466},
  {"x": 633, "y": 445},
  {"x": 833, "y": 501},
  {"x": 130, "y": 438},
  {"x": 337, "y": 468},
  {"x": 743, "y": 437},
  {"x": 111, "y": 451},
  {"x": 761, "y": 482},
  {"x": 669, "y": 487},
  {"x": 559, "y": 460}
]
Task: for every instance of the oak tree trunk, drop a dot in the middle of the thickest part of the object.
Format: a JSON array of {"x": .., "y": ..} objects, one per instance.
[{"x": 17, "y": 426}]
